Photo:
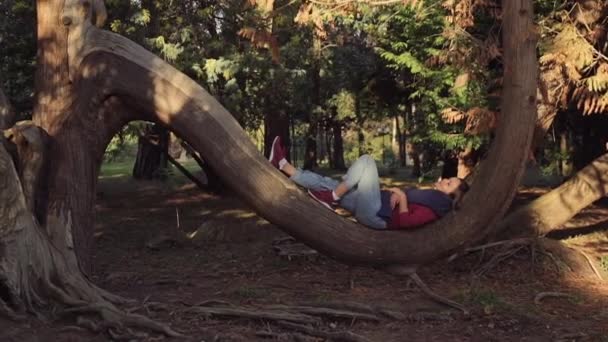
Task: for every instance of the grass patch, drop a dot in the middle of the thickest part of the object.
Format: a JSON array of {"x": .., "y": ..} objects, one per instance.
[
  {"x": 247, "y": 292},
  {"x": 488, "y": 300}
]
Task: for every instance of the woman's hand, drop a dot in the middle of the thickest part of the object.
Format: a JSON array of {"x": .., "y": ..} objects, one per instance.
[{"x": 399, "y": 198}]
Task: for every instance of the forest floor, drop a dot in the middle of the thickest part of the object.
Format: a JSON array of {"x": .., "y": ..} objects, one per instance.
[{"x": 229, "y": 260}]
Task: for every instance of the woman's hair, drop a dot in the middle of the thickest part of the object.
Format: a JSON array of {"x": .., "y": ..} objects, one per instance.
[{"x": 457, "y": 195}]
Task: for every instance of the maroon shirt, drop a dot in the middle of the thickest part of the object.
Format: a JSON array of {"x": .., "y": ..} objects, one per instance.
[{"x": 417, "y": 215}]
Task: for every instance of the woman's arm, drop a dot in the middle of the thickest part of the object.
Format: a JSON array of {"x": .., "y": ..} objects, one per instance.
[
  {"x": 398, "y": 198},
  {"x": 417, "y": 215}
]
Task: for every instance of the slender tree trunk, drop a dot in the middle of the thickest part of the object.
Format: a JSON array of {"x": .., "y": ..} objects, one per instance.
[
  {"x": 338, "y": 146},
  {"x": 7, "y": 115},
  {"x": 310, "y": 151},
  {"x": 412, "y": 151},
  {"x": 328, "y": 143},
  {"x": 151, "y": 160},
  {"x": 565, "y": 163},
  {"x": 403, "y": 141},
  {"x": 310, "y": 154}
]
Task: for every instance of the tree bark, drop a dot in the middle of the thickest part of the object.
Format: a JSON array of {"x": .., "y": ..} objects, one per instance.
[
  {"x": 79, "y": 122},
  {"x": 153, "y": 87},
  {"x": 558, "y": 206}
]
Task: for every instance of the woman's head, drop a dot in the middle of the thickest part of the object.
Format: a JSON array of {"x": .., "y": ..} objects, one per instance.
[{"x": 454, "y": 187}]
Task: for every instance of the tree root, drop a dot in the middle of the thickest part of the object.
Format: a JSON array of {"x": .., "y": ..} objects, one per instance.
[
  {"x": 539, "y": 297},
  {"x": 37, "y": 275},
  {"x": 117, "y": 318},
  {"x": 414, "y": 276},
  {"x": 410, "y": 271}
]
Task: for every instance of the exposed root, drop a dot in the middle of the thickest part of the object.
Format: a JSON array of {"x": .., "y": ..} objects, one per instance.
[
  {"x": 592, "y": 265},
  {"x": 9, "y": 313},
  {"x": 117, "y": 318},
  {"x": 38, "y": 276},
  {"x": 414, "y": 276},
  {"x": 498, "y": 258},
  {"x": 539, "y": 297},
  {"x": 256, "y": 313}
]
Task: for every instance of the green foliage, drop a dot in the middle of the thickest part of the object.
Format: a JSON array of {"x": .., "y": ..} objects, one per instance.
[
  {"x": 18, "y": 53},
  {"x": 604, "y": 263}
]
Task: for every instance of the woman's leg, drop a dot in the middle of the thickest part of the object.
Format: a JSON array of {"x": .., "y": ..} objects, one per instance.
[
  {"x": 308, "y": 179},
  {"x": 363, "y": 192}
]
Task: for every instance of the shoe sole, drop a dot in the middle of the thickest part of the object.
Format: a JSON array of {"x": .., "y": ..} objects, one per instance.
[
  {"x": 276, "y": 139},
  {"x": 319, "y": 200}
]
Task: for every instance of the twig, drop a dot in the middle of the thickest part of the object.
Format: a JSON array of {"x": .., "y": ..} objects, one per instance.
[
  {"x": 597, "y": 273},
  {"x": 435, "y": 296},
  {"x": 539, "y": 297},
  {"x": 497, "y": 259},
  {"x": 346, "y": 336}
]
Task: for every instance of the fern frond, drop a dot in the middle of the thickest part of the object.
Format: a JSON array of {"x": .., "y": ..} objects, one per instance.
[
  {"x": 573, "y": 46},
  {"x": 480, "y": 121},
  {"x": 451, "y": 115},
  {"x": 262, "y": 39},
  {"x": 598, "y": 82}
]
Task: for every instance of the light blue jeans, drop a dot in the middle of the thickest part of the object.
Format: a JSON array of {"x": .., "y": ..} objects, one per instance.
[{"x": 362, "y": 199}]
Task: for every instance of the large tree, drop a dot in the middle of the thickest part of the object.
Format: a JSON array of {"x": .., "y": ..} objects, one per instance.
[{"x": 91, "y": 82}]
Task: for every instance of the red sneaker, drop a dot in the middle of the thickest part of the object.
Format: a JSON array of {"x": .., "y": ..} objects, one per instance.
[
  {"x": 324, "y": 197},
  {"x": 277, "y": 152}
]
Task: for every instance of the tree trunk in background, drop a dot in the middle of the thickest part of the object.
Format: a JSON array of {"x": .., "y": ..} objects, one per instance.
[
  {"x": 310, "y": 151},
  {"x": 396, "y": 146},
  {"x": 338, "y": 150},
  {"x": 403, "y": 141},
  {"x": 152, "y": 149},
  {"x": 329, "y": 143},
  {"x": 7, "y": 115},
  {"x": 565, "y": 163},
  {"x": 321, "y": 145},
  {"x": 359, "y": 121},
  {"x": 412, "y": 151},
  {"x": 450, "y": 164}
]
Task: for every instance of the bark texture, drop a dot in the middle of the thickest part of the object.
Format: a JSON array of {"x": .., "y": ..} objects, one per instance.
[
  {"x": 116, "y": 66},
  {"x": 558, "y": 206}
]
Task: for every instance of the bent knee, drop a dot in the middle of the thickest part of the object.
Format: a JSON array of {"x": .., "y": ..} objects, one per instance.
[{"x": 367, "y": 158}]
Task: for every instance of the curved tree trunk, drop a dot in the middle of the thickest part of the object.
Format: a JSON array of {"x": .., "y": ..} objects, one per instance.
[
  {"x": 113, "y": 65},
  {"x": 558, "y": 206}
]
